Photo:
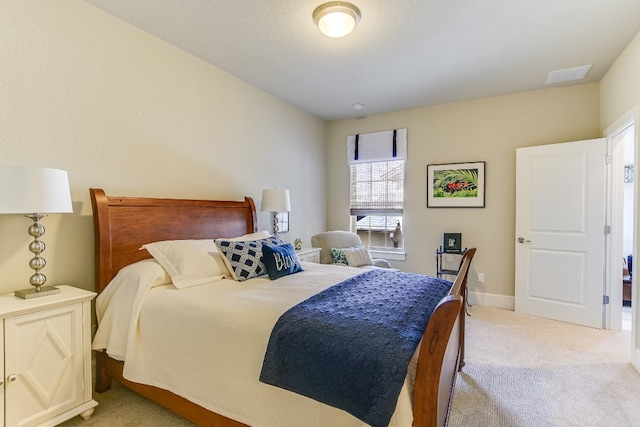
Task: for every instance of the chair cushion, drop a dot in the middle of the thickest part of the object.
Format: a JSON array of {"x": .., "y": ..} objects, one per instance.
[
  {"x": 340, "y": 239},
  {"x": 333, "y": 239}
]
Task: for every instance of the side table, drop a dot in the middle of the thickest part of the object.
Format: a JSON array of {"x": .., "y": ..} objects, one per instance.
[{"x": 309, "y": 254}]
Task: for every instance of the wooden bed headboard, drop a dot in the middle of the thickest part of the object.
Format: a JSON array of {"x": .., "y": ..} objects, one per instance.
[{"x": 123, "y": 224}]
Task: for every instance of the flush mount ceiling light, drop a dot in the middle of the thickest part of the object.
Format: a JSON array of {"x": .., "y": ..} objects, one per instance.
[{"x": 336, "y": 18}]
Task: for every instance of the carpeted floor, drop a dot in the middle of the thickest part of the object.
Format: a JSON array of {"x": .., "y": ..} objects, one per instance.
[
  {"x": 521, "y": 371},
  {"x": 527, "y": 371},
  {"x": 120, "y": 407}
]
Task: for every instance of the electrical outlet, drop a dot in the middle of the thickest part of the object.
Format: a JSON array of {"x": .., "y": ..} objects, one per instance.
[{"x": 481, "y": 277}]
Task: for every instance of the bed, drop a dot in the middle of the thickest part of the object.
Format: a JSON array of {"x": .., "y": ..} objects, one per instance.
[{"x": 124, "y": 224}]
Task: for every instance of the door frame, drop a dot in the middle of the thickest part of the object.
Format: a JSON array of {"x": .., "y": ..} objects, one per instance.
[
  {"x": 615, "y": 197},
  {"x": 614, "y": 313}
]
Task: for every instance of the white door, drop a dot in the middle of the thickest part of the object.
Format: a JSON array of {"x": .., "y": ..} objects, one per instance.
[{"x": 560, "y": 231}]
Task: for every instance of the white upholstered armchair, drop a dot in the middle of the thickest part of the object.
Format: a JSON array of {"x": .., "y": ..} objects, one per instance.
[{"x": 340, "y": 239}]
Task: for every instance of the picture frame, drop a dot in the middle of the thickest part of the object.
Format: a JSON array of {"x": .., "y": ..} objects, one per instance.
[
  {"x": 452, "y": 243},
  {"x": 456, "y": 185},
  {"x": 283, "y": 222}
]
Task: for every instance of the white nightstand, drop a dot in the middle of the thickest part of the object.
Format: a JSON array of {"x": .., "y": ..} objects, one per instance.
[
  {"x": 46, "y": 374},
  {"x": 309, "y": 255}
]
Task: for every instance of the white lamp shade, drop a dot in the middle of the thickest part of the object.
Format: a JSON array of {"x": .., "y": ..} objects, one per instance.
[
  {"x": 34, "y": 190},
  {"x": 275, "y": 200}
]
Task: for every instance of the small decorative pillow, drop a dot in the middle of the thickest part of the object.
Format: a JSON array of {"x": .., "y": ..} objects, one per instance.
[
  {"x": 244, "y": 258},
  {"x": 189, "y": 262},
  {"x": 280, "y": 260},
  {"x": 357, "y": 256},
  {"x": 338, "y": 256}
]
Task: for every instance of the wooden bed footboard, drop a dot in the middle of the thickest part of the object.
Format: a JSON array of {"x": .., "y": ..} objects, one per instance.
[
  {"x": 438, "y": 364},
  {"x": 123, "y": 224}
]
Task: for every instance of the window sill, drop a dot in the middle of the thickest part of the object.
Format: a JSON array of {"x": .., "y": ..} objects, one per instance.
[{"x": 389, "y": 255}]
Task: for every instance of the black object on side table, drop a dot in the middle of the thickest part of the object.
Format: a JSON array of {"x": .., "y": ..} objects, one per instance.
[{"x": 441, "y": 271}]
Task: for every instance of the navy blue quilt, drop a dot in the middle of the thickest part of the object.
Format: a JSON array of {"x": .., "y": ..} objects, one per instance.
[{"x": 349, "y": 346}]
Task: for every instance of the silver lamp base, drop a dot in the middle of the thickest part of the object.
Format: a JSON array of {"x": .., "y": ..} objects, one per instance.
[
  {"x": 37, "y": 263},
  {"x": 33, "y": 293}
]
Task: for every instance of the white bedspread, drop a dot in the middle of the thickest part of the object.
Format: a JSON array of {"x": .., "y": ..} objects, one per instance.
[{"x": 207, "y": 343}]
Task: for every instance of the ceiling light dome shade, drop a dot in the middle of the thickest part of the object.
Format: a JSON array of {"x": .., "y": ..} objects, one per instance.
[{"x": 336, "y": 18}]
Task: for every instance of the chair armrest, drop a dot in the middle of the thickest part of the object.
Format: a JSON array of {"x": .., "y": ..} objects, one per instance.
[{"x": 379, "y": 262}]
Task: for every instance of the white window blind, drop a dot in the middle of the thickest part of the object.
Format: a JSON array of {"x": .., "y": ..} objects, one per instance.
[
  {"x": 377, "y": 188},
  {"x": 377, "y": 172},
  {"x": 377, "y": 146}
]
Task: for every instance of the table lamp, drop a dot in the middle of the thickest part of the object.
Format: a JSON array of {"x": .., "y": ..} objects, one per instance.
[
  {"x": 35, "y": 192},
  {"x": 275, "y": 200}
]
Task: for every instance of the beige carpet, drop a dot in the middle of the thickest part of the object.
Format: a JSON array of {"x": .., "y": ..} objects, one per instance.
[
  {"x": 521, "y": 371},
  {"x": 120, "y": 407},
  {"x": 527, "y": 371}
]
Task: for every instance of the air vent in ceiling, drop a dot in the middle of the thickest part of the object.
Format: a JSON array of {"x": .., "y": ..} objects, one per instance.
[{"x": 568, "y": 74}]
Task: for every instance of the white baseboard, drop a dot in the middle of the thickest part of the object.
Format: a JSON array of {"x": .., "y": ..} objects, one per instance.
[{"x": 491, "y": 300}]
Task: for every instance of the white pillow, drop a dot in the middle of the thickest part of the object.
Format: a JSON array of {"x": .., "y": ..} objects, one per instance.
[
  {"x": 357, "y": 256},
  {"x": 115, "y": 304},
  {"x": 189, "y": 262},
  {"x": 252, "y": 236},
  {"x": 145, "y": 274}
]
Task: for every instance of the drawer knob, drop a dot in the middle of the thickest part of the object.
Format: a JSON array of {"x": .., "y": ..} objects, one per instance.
[{"x": 12, "y": 377}]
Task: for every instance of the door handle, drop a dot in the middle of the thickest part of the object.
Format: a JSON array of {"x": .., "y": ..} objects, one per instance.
[{"x": 522, "y": 240}]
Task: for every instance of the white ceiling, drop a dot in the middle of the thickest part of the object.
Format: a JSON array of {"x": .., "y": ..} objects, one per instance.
[{"x": 403, "y": 53}]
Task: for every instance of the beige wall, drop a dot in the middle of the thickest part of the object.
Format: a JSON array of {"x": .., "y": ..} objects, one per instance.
[
  {"x": 122, "y": 110},
  {"x": 487, "y": 129},
  {"x": 620, "y": 87},
  {"x": 119, "y": 109}
]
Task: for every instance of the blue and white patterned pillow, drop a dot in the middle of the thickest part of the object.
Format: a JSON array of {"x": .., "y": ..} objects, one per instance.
[{"x": 244, "y": 258}]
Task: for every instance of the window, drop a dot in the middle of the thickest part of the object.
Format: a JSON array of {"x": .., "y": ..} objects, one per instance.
[
  {"x": 377, "y": 195},
  {"x": 377, "y": 188}
]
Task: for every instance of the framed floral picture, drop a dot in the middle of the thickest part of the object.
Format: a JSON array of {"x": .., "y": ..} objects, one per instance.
[{"x": 456, "y": 185}]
